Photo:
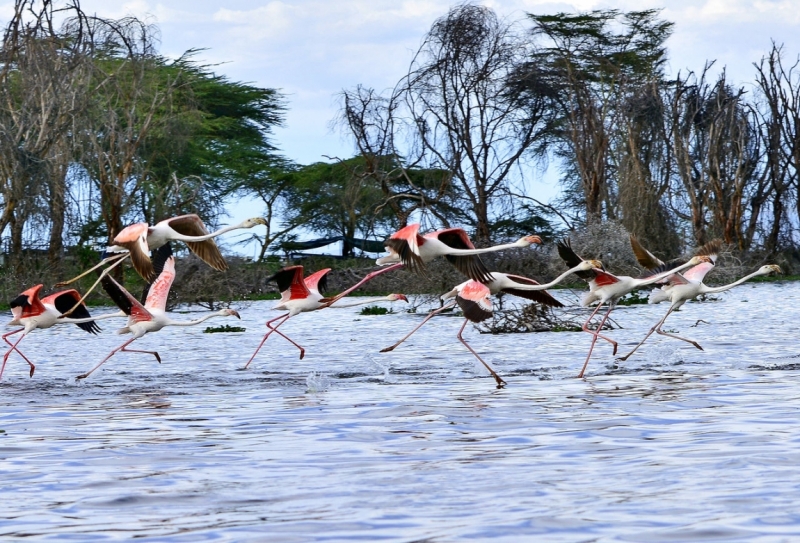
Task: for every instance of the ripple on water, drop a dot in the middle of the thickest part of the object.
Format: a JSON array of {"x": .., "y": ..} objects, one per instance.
[{"x": 675, "y": 444}]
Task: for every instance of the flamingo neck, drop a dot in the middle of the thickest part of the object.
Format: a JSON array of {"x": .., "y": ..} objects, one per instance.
[
  {"x": 552, "y": 283},
  {"x": 197, "y": 321},
  {"x": 723, "y": 288},
  {"x": 362, "y": 302},
  {"x": 660, "y": 276}
]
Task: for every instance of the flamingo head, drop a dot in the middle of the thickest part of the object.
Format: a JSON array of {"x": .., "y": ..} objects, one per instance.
[
  {"x": 230, "y": 313},
  {"x": 769, "y": 268},
  {"x": 395, "y": 297},
  {"x": 255, "y": 221},
  {"x": 527, "y": 241},
  {"x": 391, "y": 258},
  {"x": 700, "y": 259},
  {"x": 587, "y": 265}
]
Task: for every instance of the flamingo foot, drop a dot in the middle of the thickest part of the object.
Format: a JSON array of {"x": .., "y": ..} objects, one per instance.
[
  {"x": 693, "y": 343},
  {"x": 82, "y": 376},
  {"x": 387, "y": 349},
  {"x": 33, "y": 368},
  {"x": 615, "y": 348},
  {"x": 302, "y": 353}
]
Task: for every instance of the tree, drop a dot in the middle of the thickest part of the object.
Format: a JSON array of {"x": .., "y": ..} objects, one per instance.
[
  {"x": 595, "y": 60},
  {"x": 462, "y": 113}
]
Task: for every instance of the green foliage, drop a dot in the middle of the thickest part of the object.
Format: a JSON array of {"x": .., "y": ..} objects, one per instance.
[
  {"x": 223, "y": 328},
  {"x": 375, "y": 310},
  {"x": 634, "y": 298}
]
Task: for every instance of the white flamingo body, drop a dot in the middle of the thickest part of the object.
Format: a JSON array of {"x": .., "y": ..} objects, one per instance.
[{"x": 607, "y": 288}]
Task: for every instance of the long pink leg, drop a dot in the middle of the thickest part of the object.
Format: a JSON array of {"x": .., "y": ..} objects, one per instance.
[
  {"x": 14, "y": 348},
  {"x": 597, "y": 333},
  {"x": 115, "y": 351},
  {"x": 497, "y": 378},
  {"x": 594, "y": 340},
  {"x": 426, "y": 319},
  {"x": 663, "y": 333},
  {"x": 657, "y": 326},
  {"x": 285, "y": 317},
  {"x": 368, "y": 277},
  {"x": 287, "y": 338}
]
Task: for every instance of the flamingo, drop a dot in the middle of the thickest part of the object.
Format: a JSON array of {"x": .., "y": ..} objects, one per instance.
[
  {"x": 517, "y": 285},
  {"x": 150, "y": 317},
  {"x": 607, "y": 288},
  {"x": 408, "y": 247},
  {"x": 137, "y": 240},
  {"x": 300, "y": 295},
  {"x": 473, "y": 299},
  {"x": 682, "y": 287},
  {"x": 31, "y": 312}
]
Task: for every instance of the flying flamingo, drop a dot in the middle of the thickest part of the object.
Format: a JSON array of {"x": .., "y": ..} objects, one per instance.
[
  {"x": 300, "y": 295},
  {"x": 408, "y": 248},
  {"x": 31, "y": 312},
  {"x": 517, "y": 285},
  {"x": 137, "y": 240},
  {"x": 607, "y": 288},
  {"x": 473, "y": 299},
  {"x": 685, "y": 286},
  {"x": 150, "y": 317}
]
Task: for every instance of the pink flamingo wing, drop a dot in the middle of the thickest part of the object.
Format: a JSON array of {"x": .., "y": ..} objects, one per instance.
[
  {"x": 28, "y": 303},
  {"x": 473, "y": 298},
  {"x": 159, "y": 290},
  {"x": 134, "y": 238},
  {"x": 456, "y": 238},
  {"x": 698, "y": 273},
  {"x": 312, "y": 281},
  {"x": 602, "y": 279}
]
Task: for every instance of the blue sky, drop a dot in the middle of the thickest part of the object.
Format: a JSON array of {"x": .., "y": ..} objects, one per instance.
[{"x": 312, "y": 49}]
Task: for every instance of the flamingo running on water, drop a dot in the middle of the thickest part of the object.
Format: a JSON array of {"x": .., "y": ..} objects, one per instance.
[
  {"x": 607, "y": 288},
  {"x": 407, "y": 248},
  {"x": 473, "y": 299},
  {"x": 299, "y": 295},
  {"x": 150, "y": 317},
  {"x": 137, "y": 240},
  {"x": 31, "y": 312},
  {"x": 681, "y": 287},
  {"x": 517, "y": 285}
]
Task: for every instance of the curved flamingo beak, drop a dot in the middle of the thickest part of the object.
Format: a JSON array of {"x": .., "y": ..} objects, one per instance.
[
  {"x": 533, "y": 239},
  {"x": 401, "y": 297}
]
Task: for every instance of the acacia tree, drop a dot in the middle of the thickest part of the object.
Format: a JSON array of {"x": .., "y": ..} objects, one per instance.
[
  {"x": 372, "y": 121},
  {"x": 595, "y": 60},
  {"x": 462, "y": 113},
  {"x": 717, "y": 154},
  {"x": 45, "y": 80}
]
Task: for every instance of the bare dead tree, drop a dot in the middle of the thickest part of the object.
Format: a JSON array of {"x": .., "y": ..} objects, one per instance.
[
  {"x": 45, "y": 82},
  {"x": 717, "y": 155},
  {"x": 465, "y": 118}
]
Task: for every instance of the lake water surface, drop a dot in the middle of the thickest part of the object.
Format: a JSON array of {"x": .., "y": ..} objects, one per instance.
[{"x": 675, "y": 444}]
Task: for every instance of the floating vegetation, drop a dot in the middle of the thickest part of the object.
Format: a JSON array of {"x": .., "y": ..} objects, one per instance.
[
  {"x": 223, "y": 328},
  {"x": 537, "y": 318},
  {"x": 633, "y": 299},
  {"x": 375, "y": 310}
]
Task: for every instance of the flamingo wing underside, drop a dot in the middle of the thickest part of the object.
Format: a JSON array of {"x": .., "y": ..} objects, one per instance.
[
  {"x": 124, "y": 300},
  {"x": 710, "y": 249},
  {"x": 160, "y": 257},
  {"x": 64, "y": 301},
  {"x": 207, "y": 251},
  {"x": 646, "y": 259},
  {"x": 408, "y": 257},
  {"x": 290, "y": 279}
]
